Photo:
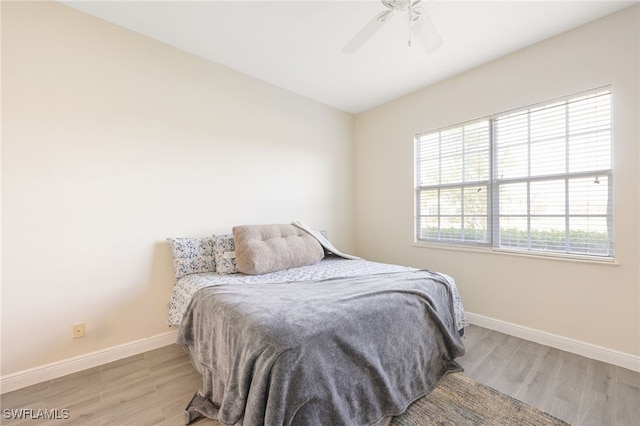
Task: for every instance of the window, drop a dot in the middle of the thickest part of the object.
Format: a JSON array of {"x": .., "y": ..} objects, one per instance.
[{"x": 537, "y": 179}]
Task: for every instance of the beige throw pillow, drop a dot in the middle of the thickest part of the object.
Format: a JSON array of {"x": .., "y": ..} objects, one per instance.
[{"x": 268, "y": 248}]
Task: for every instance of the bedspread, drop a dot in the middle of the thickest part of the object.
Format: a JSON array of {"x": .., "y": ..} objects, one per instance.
[
  {"x": 329, "y": 267},
  {"x": 341, "y": 351}
]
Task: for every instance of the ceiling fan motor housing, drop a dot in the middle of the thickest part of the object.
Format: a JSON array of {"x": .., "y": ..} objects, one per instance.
[{"x": 401, "y": 5}]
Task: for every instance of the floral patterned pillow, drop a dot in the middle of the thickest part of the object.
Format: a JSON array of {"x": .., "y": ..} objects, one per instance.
[
  {"x": 192, "y": 255},
  {"x": 225, "y": 255}
]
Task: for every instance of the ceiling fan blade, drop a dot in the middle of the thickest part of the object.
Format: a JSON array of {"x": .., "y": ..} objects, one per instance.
[
  {"x": 368, "y": 31},
  {"x": 424, "y": 31}
]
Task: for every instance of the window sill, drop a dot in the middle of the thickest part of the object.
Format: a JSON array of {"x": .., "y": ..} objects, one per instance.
[{"x": 488, "y": 250}]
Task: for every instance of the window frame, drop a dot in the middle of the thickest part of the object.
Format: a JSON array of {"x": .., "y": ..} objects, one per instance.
[
  {"x": 418, "y": 189},
  {"x": 493, "y": 213}
]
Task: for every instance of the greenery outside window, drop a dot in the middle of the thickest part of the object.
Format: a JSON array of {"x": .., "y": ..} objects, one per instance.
[{"x": 536, "y": 179}]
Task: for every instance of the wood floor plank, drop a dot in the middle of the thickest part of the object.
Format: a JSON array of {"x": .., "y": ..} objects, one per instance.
[
  {"x": 628, "y": 377},
  {"x": 480, "y": 350},
  {"x": 627, "y": 393},
  {"x": 597, "y": 407},
  {"x": 147, "y": 416},
  {"x": 539, "y": 382},
  {"x": 564, "y": 400},
  {"x": 82, "y": 412},
  {"x": 472, "y": 335},
  {"x": 128, "y": 389},
  {"x": 496, "y": 360},
  {"x": 176, "y": 407},
  {"x": 177, "y": 420},
  {"x": 121, "y": 371},
  {"x": 25, "y": 397},
  {"x": 85, "y": 378},
  {"x": 516, "y": 369},
  {"x": 628, "y": 404}
]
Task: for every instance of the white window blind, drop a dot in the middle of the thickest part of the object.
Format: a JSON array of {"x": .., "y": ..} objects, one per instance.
[
  {"x": 452, "y": 184},
  {"x": 537, "y": 179},
  {"x": 553, "y": 176}
]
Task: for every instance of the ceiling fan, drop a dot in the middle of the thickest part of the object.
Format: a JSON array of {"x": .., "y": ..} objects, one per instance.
[{"x": 420, "y": 26}]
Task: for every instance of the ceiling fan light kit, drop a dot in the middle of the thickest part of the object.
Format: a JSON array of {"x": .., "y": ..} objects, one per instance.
[{"x": 420, "y": 26}]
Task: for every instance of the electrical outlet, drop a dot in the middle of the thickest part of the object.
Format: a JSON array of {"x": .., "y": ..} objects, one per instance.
[{"x": 78, "y": 330}]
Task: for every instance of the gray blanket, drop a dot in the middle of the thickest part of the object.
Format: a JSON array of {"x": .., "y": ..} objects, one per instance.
[{"x": 344, "y": 351}]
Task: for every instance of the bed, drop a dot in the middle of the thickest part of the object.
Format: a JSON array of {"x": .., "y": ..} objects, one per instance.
[{"x": 338, "y": 340}]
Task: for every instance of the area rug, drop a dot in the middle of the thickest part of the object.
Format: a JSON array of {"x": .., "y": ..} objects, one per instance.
[{"x": 460, "y": 400}]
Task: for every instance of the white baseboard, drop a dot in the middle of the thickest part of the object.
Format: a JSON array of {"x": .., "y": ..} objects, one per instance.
[
  {"x": 600, "y": 353},
  {"x": 57, "y": 369}
]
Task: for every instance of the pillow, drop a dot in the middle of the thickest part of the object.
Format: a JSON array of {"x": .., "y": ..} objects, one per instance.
[
  {"x": 268, "y": 248},
  {"x": 192, "y": 255},
  {"x": 225, "y": 255},
  {"x": 325, "y": 234},
  {"x": 321, "y": 237}
]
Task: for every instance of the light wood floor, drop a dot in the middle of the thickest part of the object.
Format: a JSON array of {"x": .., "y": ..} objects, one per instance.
[
  {"x": 153, "y": 388},
  {"x": 578, "y": 390}
]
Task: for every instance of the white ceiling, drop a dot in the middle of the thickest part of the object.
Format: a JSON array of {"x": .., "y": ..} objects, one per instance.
[{"x": 297, "y": 45}]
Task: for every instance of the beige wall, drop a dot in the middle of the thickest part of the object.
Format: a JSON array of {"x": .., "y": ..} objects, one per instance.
[
  {"x": 594, "y": 303},
  {"x": 112, "y": 142}
]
